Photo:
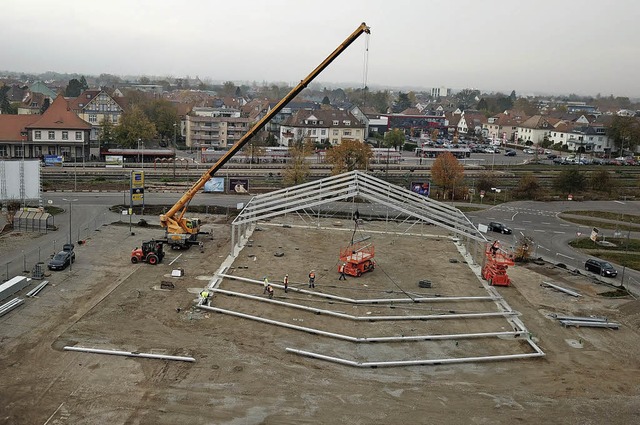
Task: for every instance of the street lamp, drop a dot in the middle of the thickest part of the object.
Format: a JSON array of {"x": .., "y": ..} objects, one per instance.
[
  {"x": 70, "y": 210},
  {"x": 174, "y": 150}
]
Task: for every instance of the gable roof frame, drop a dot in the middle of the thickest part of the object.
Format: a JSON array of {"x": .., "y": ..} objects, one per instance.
[{"x": 363, "y": 185}]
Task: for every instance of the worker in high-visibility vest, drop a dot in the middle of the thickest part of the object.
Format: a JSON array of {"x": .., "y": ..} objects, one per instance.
[
  {"x": 342, "y": 270},
  {"x": 312, "y": 279},
  {"x": 204, "y": 297},
  {"x": 266, "y": 283}
]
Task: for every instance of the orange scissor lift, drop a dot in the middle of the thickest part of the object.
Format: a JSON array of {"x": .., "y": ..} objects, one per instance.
[
  {"x": 358, "y": 259},
  {"x": 495, "y": 267}
]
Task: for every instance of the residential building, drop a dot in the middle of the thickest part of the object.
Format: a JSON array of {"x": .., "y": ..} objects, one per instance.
[
  {"x": 59, "y": 131},
  {"x": 471, "y": 123},
  {"x": 440, "y": 92},
  {"x": 322, "y": 126},
  {"x": 95, "y": 106},
  {"x": 214, "y": 127},
  {"x": 535, "y": 129},
  {"x": 503, "y": 125}
]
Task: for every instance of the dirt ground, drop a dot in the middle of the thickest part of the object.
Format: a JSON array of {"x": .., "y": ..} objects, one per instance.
[{"x": 243, "y": 373}]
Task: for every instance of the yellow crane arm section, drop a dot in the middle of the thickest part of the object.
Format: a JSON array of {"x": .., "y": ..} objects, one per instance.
[{"x": 177, "y": 224}]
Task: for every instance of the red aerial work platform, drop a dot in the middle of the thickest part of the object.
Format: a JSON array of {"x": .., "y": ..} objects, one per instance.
[
  {"x": 495, "y": 266},
  {"x": 358, "y": 259}
]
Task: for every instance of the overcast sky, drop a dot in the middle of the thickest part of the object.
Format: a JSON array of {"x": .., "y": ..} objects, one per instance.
[{"x": 549, "y": 46}]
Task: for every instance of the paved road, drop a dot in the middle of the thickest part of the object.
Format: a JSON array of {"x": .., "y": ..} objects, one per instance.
[{"x": 539, "y": 220}]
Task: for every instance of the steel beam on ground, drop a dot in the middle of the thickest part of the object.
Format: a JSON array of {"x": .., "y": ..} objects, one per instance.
[
  {"x": 129, "y": 354},
  {"x": 364, "y": 340},
  {"x": 370, "y": 301},
  {"x": 423, "y": 362},
  {"x": 365, "y": 318},
  {"x": 561, "y": 289}
]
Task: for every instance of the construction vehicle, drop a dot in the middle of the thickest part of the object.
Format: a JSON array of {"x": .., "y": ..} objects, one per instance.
[
  {"x": 181, "y": 232},
  {"x": 496, "y": 263},
  {"x": 150, "y": 252},
  {"x": 357, "y": 258}
]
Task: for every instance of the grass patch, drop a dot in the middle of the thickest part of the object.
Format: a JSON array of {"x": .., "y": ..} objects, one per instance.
[
  {"x": 618, "y": 293},
  {"x": 470, "y": 209},
  {"x": 627, "y": 218},
  {"x": 620, "y": 244},
  {"x": 600, "y": 224}
]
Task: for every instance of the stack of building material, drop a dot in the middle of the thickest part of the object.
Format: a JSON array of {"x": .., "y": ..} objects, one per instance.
[
  {"x": 591, "y": 322},
  {"x": 12, "y": 286},
  {"x": 40, "y": 287},
  {"x": 7, "y": 307}
]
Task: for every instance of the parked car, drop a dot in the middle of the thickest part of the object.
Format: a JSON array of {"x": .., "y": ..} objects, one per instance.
[
  {"x": 529, "y": 151},
  {"x": 601, "y": 267},
  {"x": 552, "y": 156},
  {"x": 63, "y": 259},
  {"x": 510, "y": 153},
  {"x": 499, "y": 227}
]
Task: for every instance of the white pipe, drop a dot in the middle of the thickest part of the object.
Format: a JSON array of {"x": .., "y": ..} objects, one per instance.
[
  {"x": 560, "y": 288},
  {"x": 367, "y": 318},
  {"x": 129, "y": 354},
  {"x": 37, "y": 289},
  {"x": 370, "y": 301},
  {"x": 354, "y": 339},
  {"x": 413, "y": 362}
]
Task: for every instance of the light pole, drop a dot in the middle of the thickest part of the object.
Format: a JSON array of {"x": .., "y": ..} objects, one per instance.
[
  {"x": 70, "y": 210},
  {"x": 174, "y": 150},
  {"x": 140, "y": 142}
]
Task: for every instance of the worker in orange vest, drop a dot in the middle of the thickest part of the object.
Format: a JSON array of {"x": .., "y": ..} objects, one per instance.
[
  {"x": 341, "y": 269},
  {"x": 312, "y": 279}
]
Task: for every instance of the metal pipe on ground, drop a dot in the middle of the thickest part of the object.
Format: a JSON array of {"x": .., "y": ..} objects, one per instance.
[
  {"x": 37, "y": 289},
  {"x": 561, "y": 289},
  {"x": 367, "y": 318},
  {"x": 354, "y": 339},
  {"x": 129, "y": 354},
  {"x": 370, "y": 301},
  {"x": 413, "y": 362}
]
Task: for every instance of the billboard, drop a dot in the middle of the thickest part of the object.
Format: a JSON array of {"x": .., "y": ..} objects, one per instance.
[
  {"x": 137, "y": 186},
  {"x": 215, "y": 185},
  {"x": 239, "y": 185},
  {"x": 20, "y": 180},
  {"x": 53, "y": 160},
  {"x": 114, "y": 161},
  {"x": 421, "y": 188}
]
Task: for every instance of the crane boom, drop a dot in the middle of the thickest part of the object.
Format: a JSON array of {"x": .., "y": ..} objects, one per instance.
[{"x": 177, "y": 224}]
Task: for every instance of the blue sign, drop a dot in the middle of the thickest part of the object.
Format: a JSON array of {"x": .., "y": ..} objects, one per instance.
[{"x": 53, "y": 160}]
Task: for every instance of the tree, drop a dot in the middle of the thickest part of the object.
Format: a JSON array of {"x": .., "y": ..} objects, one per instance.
[
  {"x": 625, "y": 132},
  {"x": 448, "y": 173},
  {"x": 522, "y": 104},
  {"x": 5, "y": 106},
  {"x": 228, "y": 88},
  {"x": 569, "y": 181},
  {"x": 348, "y": 156},
  {"x": 482, "y": 105},
  {"x": 394, "y": 138},
  {"x": 528, "y": 187},
  {"x": 297, "y": 170},
  {"x": 602, "y": 181},
  {"x": 74, "y": 88},
  {"x": 134, "y": 125},
  {"x": 163, "y": 115},
  {"x": 83, "y": 83},
  {"x": 326, "y": 101},
  {"x": 107, "y": 133},
  {"x": 403, "y": 102},
  {"x": 486, "y": 181}
]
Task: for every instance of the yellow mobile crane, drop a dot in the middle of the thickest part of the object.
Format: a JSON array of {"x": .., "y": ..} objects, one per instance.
[{"x": 182, "y": 232}]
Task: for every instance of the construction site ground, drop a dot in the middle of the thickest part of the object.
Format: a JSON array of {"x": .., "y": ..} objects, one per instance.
[{"x": 243, "y": 373}]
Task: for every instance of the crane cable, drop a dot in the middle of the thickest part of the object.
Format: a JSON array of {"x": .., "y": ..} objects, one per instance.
[{"x": 365, "y": 70}]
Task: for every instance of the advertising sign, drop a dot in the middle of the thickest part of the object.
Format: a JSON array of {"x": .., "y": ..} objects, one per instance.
[
  {"x": 53, "y": 160},
  {"x": 114, "y": 161},
  {"x": 421, "y": 188},
  {"x": 215, "y": 184},
  {"x": 239, "y": 185}
]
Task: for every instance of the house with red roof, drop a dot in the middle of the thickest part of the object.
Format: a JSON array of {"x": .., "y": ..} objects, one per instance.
[{"x": 58, "y": 131}]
